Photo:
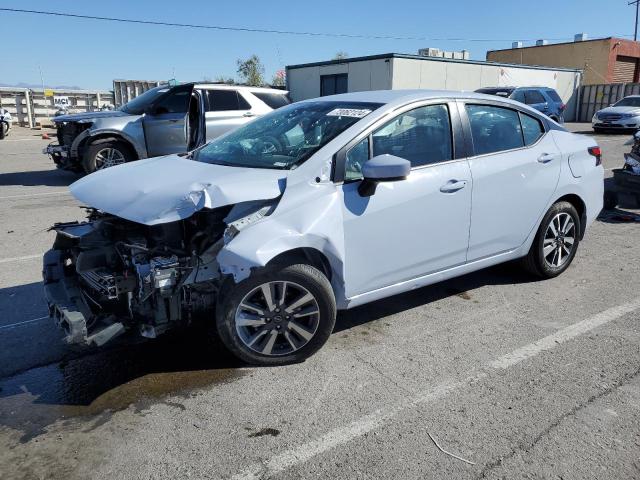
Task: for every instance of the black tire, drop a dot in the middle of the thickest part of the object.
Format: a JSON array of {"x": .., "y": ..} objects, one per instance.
[
  {"x": 89, "y": 161},
  {"x": 598, "y": 130},
  {"x": 302, "y": 275},
  {"x": 4, "y": 129},
  {"x": 610, "y": 200},
  {"x": 535, "y": 261}
]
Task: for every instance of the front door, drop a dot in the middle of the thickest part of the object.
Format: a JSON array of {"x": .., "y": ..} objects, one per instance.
[
  {"x": 166, "y": 121},
  {"x": 515, "y": 172},
  {"x": 413, "y": 227}
]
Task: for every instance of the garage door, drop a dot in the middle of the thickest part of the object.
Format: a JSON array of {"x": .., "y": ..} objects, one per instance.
[{"x": 624, "y": 70}]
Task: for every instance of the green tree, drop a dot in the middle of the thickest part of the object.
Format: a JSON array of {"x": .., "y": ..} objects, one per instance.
[{"x": 251, "y": 71}]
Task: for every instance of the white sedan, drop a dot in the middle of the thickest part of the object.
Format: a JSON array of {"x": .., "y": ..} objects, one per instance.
[{"x": 318, "y": 206}]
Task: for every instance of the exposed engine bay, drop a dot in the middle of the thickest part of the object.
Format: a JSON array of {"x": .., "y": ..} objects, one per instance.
[{"x": 109, "y": 275}]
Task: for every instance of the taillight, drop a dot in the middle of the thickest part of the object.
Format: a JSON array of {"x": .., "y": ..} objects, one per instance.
[{"x": 596, "y": 152}]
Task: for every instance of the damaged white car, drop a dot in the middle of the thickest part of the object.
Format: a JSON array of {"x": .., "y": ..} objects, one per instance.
[{"x": 319, "y": 206}]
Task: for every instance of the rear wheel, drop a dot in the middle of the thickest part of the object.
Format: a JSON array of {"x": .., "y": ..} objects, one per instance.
[
  {"x": 4, "y": 130},
  {"x": 105, "y": 154},
  {"x": 556, "y": 242},
  {"x": 279, "y": 316}
]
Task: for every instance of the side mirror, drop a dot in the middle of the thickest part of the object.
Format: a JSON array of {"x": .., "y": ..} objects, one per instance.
[{"x": 382, "y": 168}]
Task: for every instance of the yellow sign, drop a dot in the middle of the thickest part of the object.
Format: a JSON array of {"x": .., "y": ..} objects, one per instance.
[{"x": 48, "y": 93}]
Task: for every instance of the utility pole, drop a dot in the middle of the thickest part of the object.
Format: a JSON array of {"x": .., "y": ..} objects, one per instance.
[{"x": 637, "y": 4}]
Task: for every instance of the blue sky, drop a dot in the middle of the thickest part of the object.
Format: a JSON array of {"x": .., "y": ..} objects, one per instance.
[{"x": 91, "y": 53}]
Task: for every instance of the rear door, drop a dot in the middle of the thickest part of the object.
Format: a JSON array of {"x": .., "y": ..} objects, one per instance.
[
  {"x": 227, "y": 109},
  {"x": 515, "y": 170},
  {"x": 165, "y": 122}
]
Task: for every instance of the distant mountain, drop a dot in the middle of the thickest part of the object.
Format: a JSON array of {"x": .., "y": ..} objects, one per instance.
[{"x": 39, "y": 85}]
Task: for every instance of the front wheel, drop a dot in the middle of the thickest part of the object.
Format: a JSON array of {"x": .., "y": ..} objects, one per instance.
[
  {"x": 105, "y": 154},
  {"x": 556, "y": 242},
  {"x": 4, "y": 130},
  {"x": 279, "y": 316}
]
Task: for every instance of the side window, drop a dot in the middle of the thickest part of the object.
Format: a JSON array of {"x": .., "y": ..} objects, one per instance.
[
  {"x": 422, "y": 136},
  {"x": 533, "y": 97},
  {"x": 518, "y": 96},
  {"x": 494, "y": 129},
  {"x": 177, "y": 102},
  {"x": 356, "y": 157},
  {"x": 225, "y": 100},
  {"x": 531, "y": 129}
]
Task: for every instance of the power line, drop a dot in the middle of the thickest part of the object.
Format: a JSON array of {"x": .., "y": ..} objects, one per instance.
[
  {"x": 637, "y": 4},
  {"x": 265, "y": 30}
]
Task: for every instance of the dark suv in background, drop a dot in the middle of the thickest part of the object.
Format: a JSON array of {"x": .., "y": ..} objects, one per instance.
[{"x": 543, "y": 99}]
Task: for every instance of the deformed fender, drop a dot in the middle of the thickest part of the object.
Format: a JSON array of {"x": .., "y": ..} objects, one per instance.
[{"x": 315, "y": 222}]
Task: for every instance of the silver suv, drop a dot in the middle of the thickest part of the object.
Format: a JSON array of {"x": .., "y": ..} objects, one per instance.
[{"x": 164, "y": 120}]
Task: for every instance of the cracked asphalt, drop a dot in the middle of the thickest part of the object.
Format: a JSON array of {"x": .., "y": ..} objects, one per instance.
[{"x": 512, "y": 377}]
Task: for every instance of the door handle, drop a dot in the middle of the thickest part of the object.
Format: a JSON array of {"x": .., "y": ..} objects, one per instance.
[
  {"x": 545, "y": 158},
  {"x": 249, "y": 114},
  {"x": 453, "y": 186}
]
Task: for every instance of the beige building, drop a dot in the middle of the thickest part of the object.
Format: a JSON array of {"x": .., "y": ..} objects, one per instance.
[{"x": 603, "y": 60}]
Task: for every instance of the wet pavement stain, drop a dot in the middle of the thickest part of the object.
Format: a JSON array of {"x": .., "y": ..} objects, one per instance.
[{"x": 104, "y": 382}]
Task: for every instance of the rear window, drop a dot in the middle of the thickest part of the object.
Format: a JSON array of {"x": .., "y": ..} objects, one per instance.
[
  {"x": 273, "y": 100},
  {"x": 554, "y": 95}
]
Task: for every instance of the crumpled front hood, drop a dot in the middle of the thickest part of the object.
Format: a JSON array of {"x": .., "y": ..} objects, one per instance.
[
  {"x": 166, "y": 189},
  {"x": 619, "y": 110},
  {"x": 78, "y": 117}
]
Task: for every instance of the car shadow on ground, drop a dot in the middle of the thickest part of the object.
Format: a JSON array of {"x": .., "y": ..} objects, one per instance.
[
  {"x": 505, "y": 274},
  {"x": 49, "y": 178}
]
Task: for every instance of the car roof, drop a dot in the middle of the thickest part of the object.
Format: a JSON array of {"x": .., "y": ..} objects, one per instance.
[
  {"x": 408, "y": 96},
  {"x": 246, "y": 88}
]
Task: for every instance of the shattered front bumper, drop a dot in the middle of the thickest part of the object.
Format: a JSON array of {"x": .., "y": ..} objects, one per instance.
[
  {"x": 61, "y": 156},
  {"x": 68, "y": 308},
  {"x": 64, "y": 297}
]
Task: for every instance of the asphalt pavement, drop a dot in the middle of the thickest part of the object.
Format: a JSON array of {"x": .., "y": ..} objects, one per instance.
[{"x": 492, "y": 375}]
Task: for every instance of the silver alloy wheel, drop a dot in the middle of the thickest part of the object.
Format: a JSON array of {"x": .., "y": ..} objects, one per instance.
[
  {"x": 108, "y": 157},
  {"x": 559, "y": 240},
  {"x": 277, "y": 318}
]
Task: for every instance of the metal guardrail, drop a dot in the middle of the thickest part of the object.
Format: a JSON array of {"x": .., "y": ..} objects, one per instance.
[
  {"x": 597, "y": 97},
  {"x": 31, "y": 108}
]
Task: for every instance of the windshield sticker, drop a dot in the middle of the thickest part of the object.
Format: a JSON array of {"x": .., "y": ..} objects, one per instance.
[{"x": 349, "y": 112}]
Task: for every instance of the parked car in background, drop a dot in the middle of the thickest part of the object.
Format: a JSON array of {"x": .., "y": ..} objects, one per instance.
[
  {"x": 623, "y": 115},
  {"x": 161, "y": 121},
  {"x": 5, "y": 123},
  {"x": 321, "y": 205},
  {"x": 543, "y": 99}
]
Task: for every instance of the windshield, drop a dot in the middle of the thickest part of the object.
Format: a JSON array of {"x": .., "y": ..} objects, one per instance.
[
  {"x": 285, "y": 137},
  {"x": 629, "y": 102},
  {"x": 138, "y": 104}
]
